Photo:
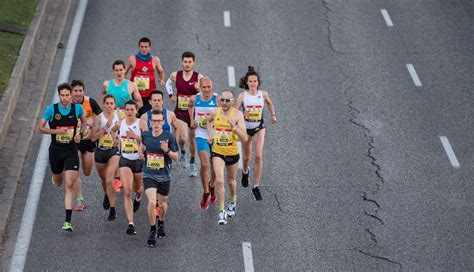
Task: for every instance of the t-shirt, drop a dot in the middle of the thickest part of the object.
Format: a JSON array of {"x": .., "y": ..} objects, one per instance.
[
  {"x": 157, "y": 163},
  {"x": 49, "y": 111}
]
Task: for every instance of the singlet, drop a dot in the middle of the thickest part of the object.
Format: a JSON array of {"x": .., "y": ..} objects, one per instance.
[
  {"x": 128, "y": 146},
  {"x": 89, "y": 114},
  {"x": 202, "y": 109},
  {"x": 157, "y": 164},
  {"x": 225, "y": 140},
  {"x": 184, "y": 89},
  {"x": 144, "y": 76},
  {"x": 120, "y": 92},
  {"x": 69, "y": 121},
  {"x": 166, "y": 126},
  {"x": 106, "y": 141},
  {"x": 254, "y": 104}
]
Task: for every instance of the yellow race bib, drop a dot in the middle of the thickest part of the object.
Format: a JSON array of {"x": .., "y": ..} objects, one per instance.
[
  {"x": 66, "y": 137},
  {"x": 121, "y": 113},
  {"x": 155, "y": 161},
  {"x": 143, "y": 82},
  {"x": 183, "y": 102},
  {"x": 223, "y": 137},
  {"x": 202, "y": 120},
  {"x": 254, "y": 113},
  {"x": 106, "y": 141},
  {"x": 129, "y": 145}
]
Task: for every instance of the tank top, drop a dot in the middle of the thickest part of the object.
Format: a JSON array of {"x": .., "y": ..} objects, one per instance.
[
  {"x": 184, "y": 90},
  {"x": 120, "y": 92},
  {"x": 202, "y": 110},
  {"x": 225, "y": 140},
  {"x": 89, "y": 114},
  {"x": 144, "y": 76},
  {"x": 128, "y": 146},
  {"x": 166, "y": 126},
  {"x": 69, "y": 121},
  {"x": 254, "y": 104},
  {"x": 106, "y": 141}
]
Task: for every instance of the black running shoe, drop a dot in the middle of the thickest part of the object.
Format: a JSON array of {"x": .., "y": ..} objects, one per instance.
[
  {"x": 136, "y": 203},
  {"x": 256, "y": 193},
  {"x": 245, "y": 178},
  {"x": 161, "y": 231},
  {"x": 152, "y": 239},
  {"x": 106, "y": 203},
  {"x": 131, "y": 230},
  {"x": 112, "y": 215}
]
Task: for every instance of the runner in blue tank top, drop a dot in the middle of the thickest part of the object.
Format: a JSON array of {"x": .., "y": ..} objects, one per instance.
[{"x": 156, "y": 102}]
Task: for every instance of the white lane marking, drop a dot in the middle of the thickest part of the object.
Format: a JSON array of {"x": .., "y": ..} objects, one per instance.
[
  {"x": 449, "y": 151},
  {"x": 42, "y": 162},
  {"x": 386, "y": 17},
  {"x": 414, "y": 75},
  {"x": 231, "y": 74},
  {"x": 239, "y": 145},
  {"x": 226, "y": 18},
  {"x": 248, "y": 259}
]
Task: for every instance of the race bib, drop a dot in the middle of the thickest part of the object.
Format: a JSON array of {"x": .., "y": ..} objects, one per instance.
[
  {"x": 223, "y": 137},
  {"x": 87, "y": 131},
  {"x": 254, "y": 113},
  {"x": 66, "y": 137},
  {"x": 143, "y": 82},
  {"x": 129, "y": 145},
  {"x": 183, "y": 102},
  {"x": 202, "y": 120},
  {"x": 155, "y": 161},
  {"x": 121, "y": 113},
  {"x": 106, "y": 141}
]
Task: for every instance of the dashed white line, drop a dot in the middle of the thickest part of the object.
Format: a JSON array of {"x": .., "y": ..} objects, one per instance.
[
  {"x": 231, "y": 74},
  {"x": 386, "y": 17},
  {"x": 226, "y": 18},
  {"x": 449, "y": 151},
  {"x": 414, "y": 75},
  {"x": 248, "y": 259}
]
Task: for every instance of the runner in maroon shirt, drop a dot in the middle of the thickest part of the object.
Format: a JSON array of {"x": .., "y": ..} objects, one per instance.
[{"x": 187, "y": 85}]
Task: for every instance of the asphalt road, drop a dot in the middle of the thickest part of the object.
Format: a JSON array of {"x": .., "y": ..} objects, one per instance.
[{"x": 355, "y": 174}]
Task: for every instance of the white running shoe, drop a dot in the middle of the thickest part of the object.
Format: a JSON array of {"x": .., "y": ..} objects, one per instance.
[
  {"x": 193, "y": 170},
  {"x": 231, "y": 209},
  {"x": 222, "y": 218},
  {"x": 182, "y": 160}
]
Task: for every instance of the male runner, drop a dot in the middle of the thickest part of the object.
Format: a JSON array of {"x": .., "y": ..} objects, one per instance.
[
  {"x": 156, "y": 102},
  {"x": 186, "y": 83},
  {"x": 63, "y": 159},
  {"x": 130, "y": 165},
  {"x": 86, "y": 146},
  {"x": 160, "y": 148},
  {"x": 224, "y": 126},
  {"x": 200, "y": 107},
  {"x": 143, "y": 65}
]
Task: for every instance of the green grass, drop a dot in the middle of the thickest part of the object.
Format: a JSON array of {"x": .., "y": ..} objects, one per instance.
[{"x": 16, "y": 13}]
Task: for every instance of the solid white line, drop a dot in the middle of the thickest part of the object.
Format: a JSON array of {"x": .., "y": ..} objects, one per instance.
[
  {"x": 414, "y": 75},
  {"x": 386, "y": 17},
  {"x": 42, "y": 162},
  {"x": 248, "y": 259},
  {"x": 449, "y": 151},
  {"x": 231, "y": 74},
  {"x": 226, "y": 18},
  {"x": 239, "y": 145}
]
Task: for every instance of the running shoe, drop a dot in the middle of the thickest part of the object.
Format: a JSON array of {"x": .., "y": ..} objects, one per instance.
[
  {"x": 67, "y": 226},
  {"x": 193, "y": 172},
  {"x": 152, "y": 238},
  {"x": 136, "y": 202},
  {"x": 131, "y": 230},
  {"x": 161, "y": 231},
  {"x": 257, "y": 194},
  {"x": 157, "y": 210},
  {"x": 112, "y": 215},
  {"x": 213, "y": 198},
  {"x": 231, "y": 209},
  {"x": 245, "y": 178},
  {"x": 117, "y": 185},
  {"x": 222, "y": 218},
  {"x": 80, "y": 206},
  {"x": 205, "y": 201},
  {"x": 55, "y": 183},
  {"x": 182, "y": 160},
  {"x": 106, "y": 203}
]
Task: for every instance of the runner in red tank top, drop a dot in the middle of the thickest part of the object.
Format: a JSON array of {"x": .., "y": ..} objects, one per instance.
[
  {"x": 187, "y": 85},
  {"x": 143, "y": 65}
]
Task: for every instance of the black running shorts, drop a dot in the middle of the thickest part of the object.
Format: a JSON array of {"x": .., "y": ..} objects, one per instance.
[
  {"x": 162, "y": 187},
  {"x": 135, "y": 166},
  {"x": 104, "y": 155},
  {"x": 63, "y": 158},
  {"x": 86, "y": 146},
  {"x": 229, "y": 160}
]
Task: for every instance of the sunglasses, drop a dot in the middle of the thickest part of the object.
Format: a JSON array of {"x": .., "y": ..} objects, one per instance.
[{"x": 226, "y": 100}]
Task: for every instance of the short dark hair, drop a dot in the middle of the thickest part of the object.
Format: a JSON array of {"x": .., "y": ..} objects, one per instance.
[
  {"x": 144, "y": 40},
  {"x": 251, "y": 72},
  {"x": 188, "y": 54},
  {"x": 108, "y": 96},
  {"x": 77, "y": 82},
  {"x": 131, "y": 102},
  {"x": 156, "y": 92},
  {"x": 63, "y": 86},
  {"x": 157, "y": 112},
  {"x": 118, "y": 62}
]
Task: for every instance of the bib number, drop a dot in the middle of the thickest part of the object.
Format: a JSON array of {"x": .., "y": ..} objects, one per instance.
[
  {"x": 106, "y": 141},
  {"x": 183, "y": 102},
  {"x": 129, "y": 145},
  {"x": 155, "y": 161},
  {"x": 143, "y": 83},
  {"x": 121, "y": 113},
  {"x": 254, "y": 114},
  {"x": 202, "y": 120},
  {"x": 224, "y": 137},
  {"x": 66, "y": 137}
]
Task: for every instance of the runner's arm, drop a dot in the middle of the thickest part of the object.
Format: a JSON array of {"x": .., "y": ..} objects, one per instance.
[
  {"x": 191, "y": 111},
  {"x": 271, "y": 106},
  {"x": 239, "y": 127},
  {"x": 173, "y": 147},
  {"x": 130, "y": 65},
  {"x": 197, "y": 85},
  {"x": 95, "y": 134},
  {"x": 160, "y": 71},
  {"x": 240, "y": 100},
  {"x": 173, "y": 122},
  {"x": 136, "y": 94},
  {"x": 210, "y": 124},
  {"x": 41, "y": 128},
  {"x": 105, "y": 85},
  {"x": 95, "y": 107}
]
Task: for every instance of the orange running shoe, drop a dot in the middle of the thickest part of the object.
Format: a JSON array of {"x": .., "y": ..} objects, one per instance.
[
  {"x": 117, "y": 185},
  {"x": 157, "y": 210}
]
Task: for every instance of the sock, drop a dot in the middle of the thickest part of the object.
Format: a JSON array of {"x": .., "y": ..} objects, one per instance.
[
  {"x": 232, "y": 199},
  {"x": 153, "y": 228},
  {"x": 160, "y": 223},
  {"x": 131, "y": 223},
  {"x": 138, "y": 197},
  {"x": 222, "y": 210},
  {"x": 68, "y": 215},
  {"x": 191, "y": 160},
  {"x": 246, "y": 171}
]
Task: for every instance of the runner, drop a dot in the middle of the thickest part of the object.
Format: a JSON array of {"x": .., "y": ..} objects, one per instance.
[
  {"x": 63, "y": 159},
  {"x": 224, "y": 125},
  {"x": 143, "y": 65},
  {"x": 130, "y": 166},
  {"x": 160, "y": 148},
  {"x": 86, "y": 146},
  {"x": 253, "y": 101},
  {"x": 186, "y": 83},
  {"x": 107, "y": 155},
  {"x": 200, "y": 107}
]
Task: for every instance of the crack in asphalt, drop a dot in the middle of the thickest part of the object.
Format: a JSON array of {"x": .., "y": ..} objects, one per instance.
[
  {"x": 278, "y": 203},
  {"x": 380, "y": 258},
  {"x": 326, "y": 18},
  {"x": 365, "y": 198},
  {"x": 197, "y": 38}
]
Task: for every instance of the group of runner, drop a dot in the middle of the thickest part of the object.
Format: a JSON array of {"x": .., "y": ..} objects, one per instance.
[{"x": 129, "y": 135}]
